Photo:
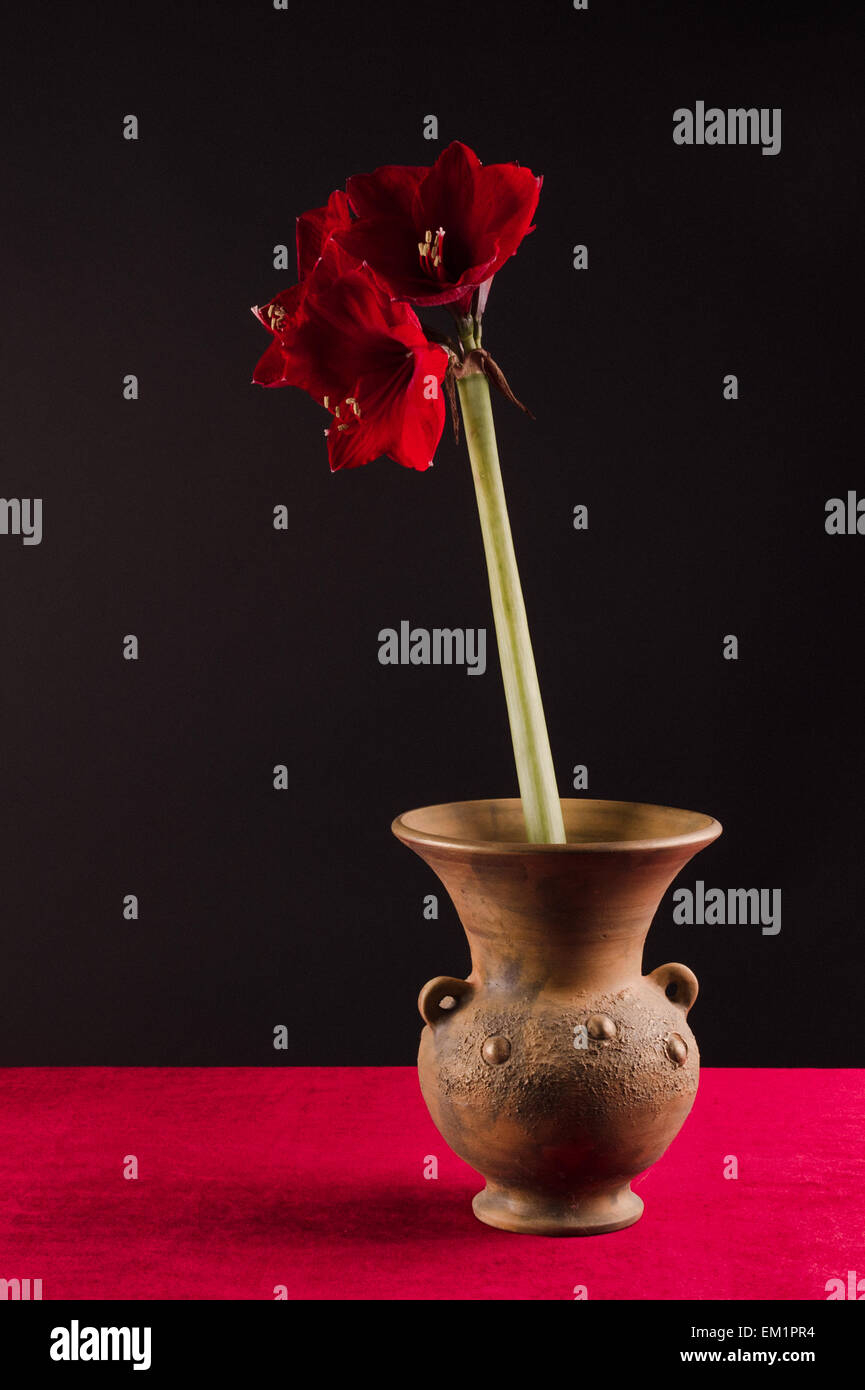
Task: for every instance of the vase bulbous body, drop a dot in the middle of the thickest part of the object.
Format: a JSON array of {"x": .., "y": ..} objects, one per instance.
[{"x": 557, "y": 1069}]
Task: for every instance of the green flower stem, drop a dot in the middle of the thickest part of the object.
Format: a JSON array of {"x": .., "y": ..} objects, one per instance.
[{"x": 541, "y": 806}]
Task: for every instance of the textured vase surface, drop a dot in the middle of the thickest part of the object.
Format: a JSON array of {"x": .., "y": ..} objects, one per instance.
[{"x": 557, "y": 1069}]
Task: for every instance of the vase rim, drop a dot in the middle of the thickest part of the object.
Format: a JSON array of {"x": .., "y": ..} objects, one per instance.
[{"x": 588, "y": 820}]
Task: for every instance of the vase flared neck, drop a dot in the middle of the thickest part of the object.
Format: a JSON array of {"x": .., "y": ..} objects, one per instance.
[{"x": 561, "y": 916}]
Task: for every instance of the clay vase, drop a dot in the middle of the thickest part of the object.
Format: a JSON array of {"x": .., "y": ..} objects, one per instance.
[{"x": 557, "y": 1069}]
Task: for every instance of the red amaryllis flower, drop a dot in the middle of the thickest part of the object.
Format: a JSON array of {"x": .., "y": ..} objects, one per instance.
[
  {"x": 435, "y": 235},
  {"x": 367, "y": 361},
  {"x": 316, "y": 252}
]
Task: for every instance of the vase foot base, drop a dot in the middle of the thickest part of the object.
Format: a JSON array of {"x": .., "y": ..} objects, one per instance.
[{"x": 510, "y": 1209}]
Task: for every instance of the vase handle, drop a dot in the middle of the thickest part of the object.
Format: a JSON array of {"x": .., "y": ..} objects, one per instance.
[
  {"x": 440, "y": 997},
  {"x": 678, "y": 983}
]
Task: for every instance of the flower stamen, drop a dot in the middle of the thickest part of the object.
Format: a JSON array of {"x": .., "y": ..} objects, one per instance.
[
  {"x": 431, "y": 252},
  {"x": 336, "y": 410},
  {"x": 275, "y": 314}
]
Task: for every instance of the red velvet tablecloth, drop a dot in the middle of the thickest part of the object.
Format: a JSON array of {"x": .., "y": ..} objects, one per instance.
[{"x": 252, "y": 1181}]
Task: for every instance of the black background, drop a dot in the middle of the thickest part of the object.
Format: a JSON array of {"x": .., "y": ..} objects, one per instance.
[{"x": 259, "y": 647}]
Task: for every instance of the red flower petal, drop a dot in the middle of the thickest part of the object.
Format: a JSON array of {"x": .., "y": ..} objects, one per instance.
[
  {"x": 270, "y": 369},
  {"x": 417, "y": 426},
  {"x": 399, "y": 416},
  {"x": 446, "y": 196},
  {"x": 314, "y": 229},
  {"x": 506, "y": 201},
  {"x": 388, "y": 192},
  {"x": 389, "y": 246}
]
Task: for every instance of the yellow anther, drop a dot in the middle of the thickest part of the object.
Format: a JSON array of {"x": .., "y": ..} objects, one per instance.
[{"x": 430, "y": 249}]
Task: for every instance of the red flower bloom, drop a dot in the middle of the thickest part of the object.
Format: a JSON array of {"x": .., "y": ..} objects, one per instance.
[
  {"x": 435, "y": 235},
  {"x": 367, "y": 361}
]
